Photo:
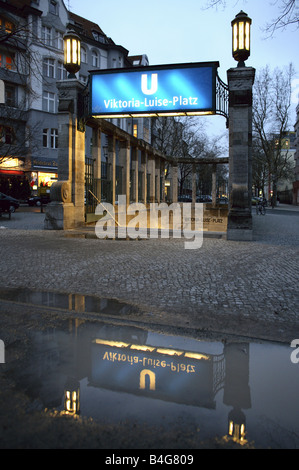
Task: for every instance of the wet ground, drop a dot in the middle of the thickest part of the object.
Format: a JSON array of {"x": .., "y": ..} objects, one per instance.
[
  {"x": 84, "y": 381},
  {"x": 144, "y": 345}
]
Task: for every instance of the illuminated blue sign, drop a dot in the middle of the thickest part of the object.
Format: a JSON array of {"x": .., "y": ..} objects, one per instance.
[{"x": 185, "y": 89}]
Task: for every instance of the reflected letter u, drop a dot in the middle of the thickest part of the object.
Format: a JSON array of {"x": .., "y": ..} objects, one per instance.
[
  {"x": 152, "y": 379},
  {"x": 154, "y": 84}
]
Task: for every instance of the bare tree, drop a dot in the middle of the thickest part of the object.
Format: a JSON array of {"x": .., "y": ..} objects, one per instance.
[
  {"x": 15, "y": 133},
  {"x": 271, "y": 109},
  {"x": 288, "y": 13}
]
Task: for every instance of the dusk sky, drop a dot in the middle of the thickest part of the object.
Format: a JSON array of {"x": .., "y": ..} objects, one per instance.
[{"x": 176, "y": 31}]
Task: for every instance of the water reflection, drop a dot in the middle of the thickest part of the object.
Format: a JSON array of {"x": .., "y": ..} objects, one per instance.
[
  {"x": 113, "y": 373},
  {"x": 243, "y": 392},
  {"x": 71, "y": 302}
]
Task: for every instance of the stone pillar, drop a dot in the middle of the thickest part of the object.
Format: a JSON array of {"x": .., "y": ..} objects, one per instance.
[
  {"x": 112, "y": 166},
  {"x": 125, "y": 162},
  {"x": 152, "y": 172},
  {"x": 158, "y": 180},
  {"x": 162, "y": 169},
  {"x": 66, "y": 209},
  {"x": 135, "y": 174},
  {"x": 144, "y": 175},
  {"x": 174, "y": 183},
  {"x": 97, "y": 156},
  {"x": 193, "y": 183},
  {"x": 240, "y": 82},
  {"x": 214, "y": 184}
]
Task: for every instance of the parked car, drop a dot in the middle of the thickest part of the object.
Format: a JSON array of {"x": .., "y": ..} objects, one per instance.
[
  {"x": 38, "y": 200},
  {"x": 8, "y": 203},
  {"x": 185, "y": 198},
  {"x": 204, "y": 198},
  {"x": 222, "y": 200}
]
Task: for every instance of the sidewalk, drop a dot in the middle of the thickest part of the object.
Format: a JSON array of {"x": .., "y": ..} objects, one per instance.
[{"x": 285, "y": 207}]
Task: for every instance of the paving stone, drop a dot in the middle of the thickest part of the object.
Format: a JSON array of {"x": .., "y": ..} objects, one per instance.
[{"x": 223, "y": 285}]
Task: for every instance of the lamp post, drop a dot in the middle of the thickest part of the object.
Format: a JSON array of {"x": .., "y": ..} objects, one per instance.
[
  {"x": 241, "y": 38},
  {"x": 72, "y": 53},
  {"x": 240, "y": 84}
]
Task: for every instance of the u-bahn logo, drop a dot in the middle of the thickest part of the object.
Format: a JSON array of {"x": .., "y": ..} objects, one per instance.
[{"x": 154, "y": 84}]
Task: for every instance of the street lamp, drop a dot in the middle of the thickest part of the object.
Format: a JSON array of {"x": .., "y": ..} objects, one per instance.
[
  {"x": 241, "y": 38},
  {"x": 72, "y": 53}
]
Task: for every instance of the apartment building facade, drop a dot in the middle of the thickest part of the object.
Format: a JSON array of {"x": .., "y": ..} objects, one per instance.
[{"x": 31, "y": 63}]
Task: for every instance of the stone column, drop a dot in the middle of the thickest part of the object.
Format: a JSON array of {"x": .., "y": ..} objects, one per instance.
[
  {"x": 193, "y": 183},
  {"x": 112, "y": 166},
  {"x": 214, "y": 184},
  {"x": 240, "y": 82},
  {"x": 174, "y": 182},
  {"x": 162, "y": 169},
  {"x": 158, "y": 180},
  {"x": 125, "y": 161},
  {"x": 152, "y": 172},
  {"x": 66, "y": 209},
  {"x": 135, "y": 174},
  {"x": 97, "y": 156}
]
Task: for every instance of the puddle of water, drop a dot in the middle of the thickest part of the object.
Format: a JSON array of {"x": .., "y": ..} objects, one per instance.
[
  {"x": 73, "y": 302},
  {"x": 247, "y": 392}
]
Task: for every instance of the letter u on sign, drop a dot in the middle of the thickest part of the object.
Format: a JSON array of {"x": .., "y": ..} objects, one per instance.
[{"x": 154, "y": 84}]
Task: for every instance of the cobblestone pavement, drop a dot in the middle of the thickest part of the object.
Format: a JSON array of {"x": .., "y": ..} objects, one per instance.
[{"x": 245, "y": 288}]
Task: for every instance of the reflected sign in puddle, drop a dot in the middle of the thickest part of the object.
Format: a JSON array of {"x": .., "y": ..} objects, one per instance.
[{"x": 241, "y": 391}]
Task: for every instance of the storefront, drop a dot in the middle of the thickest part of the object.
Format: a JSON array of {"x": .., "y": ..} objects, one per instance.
[
  {"x": 12, "y": 178},
  {"x": 43, "y": 175}
]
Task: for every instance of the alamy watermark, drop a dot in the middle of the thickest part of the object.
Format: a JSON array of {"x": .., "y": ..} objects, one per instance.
[
  {"x": 136, "y": 221},
  {"x": 2, "y": 352},
  {"x": 295, "y": 353}
]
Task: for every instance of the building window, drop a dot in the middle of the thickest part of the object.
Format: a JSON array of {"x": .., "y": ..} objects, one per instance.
[
  {"x": 83, "y": 78},
  {"x": 59, "y": 40},
  {"x": 10, "y": 95},
  {"x": 61, "y": 72},
  {"x": 6, "y": 135},
  {"x": 98, "y": 36},
  {"x": 54, "y": 138},
  {"x": 95, "y": 59},
  {"x": 6, "y": 26},
  {"x": 34, "y": 26},
  {"x": 135, "y": 130},
  {"x": 83, "y": 55},
  {"x": 53, "y": 7},
  {"x": 50, "y": 138},
  {"x": 7, "y": 61},
  {"x": 49, "y": 68},
  {"x": 47, "y": 35},
  {"x": 45, "y": 138},
  {"x": 49, "y": 102}
]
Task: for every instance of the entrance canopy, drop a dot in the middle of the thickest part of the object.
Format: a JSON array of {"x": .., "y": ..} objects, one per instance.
[{"x": 165, "y": 90}]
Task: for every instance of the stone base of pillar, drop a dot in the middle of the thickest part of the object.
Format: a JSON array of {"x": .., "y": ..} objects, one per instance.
[
  {"x": 63, "y": 216},
  {"x": 239, "y": 227}
]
